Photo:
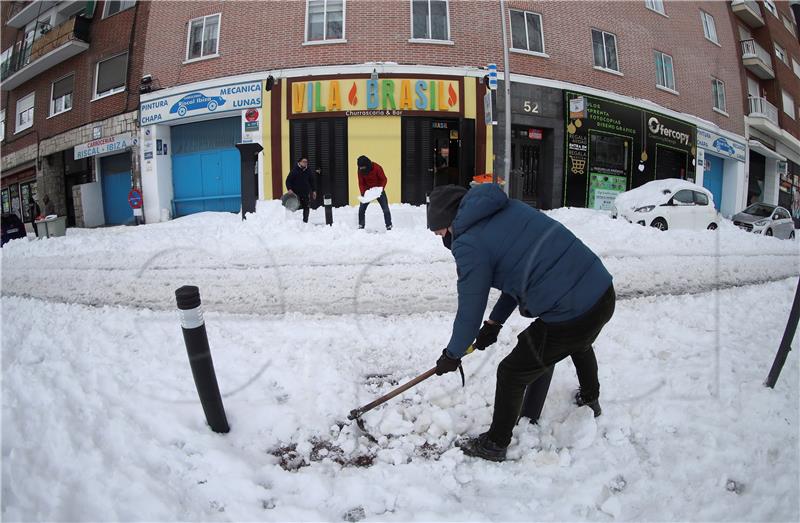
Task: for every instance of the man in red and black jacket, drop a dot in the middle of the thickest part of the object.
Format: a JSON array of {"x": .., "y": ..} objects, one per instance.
[{"x": 370, "y": 175}]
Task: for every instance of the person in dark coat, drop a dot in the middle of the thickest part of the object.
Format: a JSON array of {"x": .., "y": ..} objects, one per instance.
[
  {"x": 49, "y": 207},
  {"x": 541, "y": 268},
  {"x": 370, "y": 175},
  {"x": 300, "y": 182},
  {"x": 33, "y": 212}
]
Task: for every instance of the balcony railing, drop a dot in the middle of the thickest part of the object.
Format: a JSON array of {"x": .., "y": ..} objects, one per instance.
[
  {"x": 750, "y": 49},
  {"x": 74, "y": 29},
  {"x": 760, "y": 107}
]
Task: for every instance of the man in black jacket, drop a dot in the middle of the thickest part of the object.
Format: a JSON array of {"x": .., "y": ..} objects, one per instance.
[{"x": 300, "y": 182}]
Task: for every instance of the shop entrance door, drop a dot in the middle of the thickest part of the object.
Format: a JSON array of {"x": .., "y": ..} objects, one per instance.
[
  {"x": 670, "y": 163},
  {"x": 115, "y": 173},
  {"x": 525, "y": 162},
  {"x": 76, "y": 172},
  {"x": 432, "y": 156},
  {"x": 324, "y": 141},
  {"x": 712, "y": 177}
]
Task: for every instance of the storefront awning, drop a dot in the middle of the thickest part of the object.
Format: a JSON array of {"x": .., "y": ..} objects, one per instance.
[{"x": 765, "y": 151}]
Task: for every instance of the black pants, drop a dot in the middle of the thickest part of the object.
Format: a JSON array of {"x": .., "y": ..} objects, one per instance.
[
  {"x": 384, "y": 202},
  {"x": 35, "y": 229},
  {"x": 541, "y": 346},
  {"x": 304, "y": 206}
]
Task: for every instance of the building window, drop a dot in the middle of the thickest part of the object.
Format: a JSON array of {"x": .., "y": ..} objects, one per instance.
[
  {"x": 61, "y": 95},
  {"x": 24, "y": 112},
  {"x": 526, "y": 31},
  {"x": 5, "y": 61},
  {"x": 796, "y": 67},
  {"x": 2, "y": 124},
  {"x": 770, "y": 5},
  {"x": 604, "y": 46},
  {"x": 665, "y": 76},
  {"x": 788, "y": 105},
  {"x": 115, "y": 6},
  {"x": 111, "y": 75},
  {"x": 718, "y": 92},
  {"x": 709, "y": 29},
  {"x": 429, "y": 20},
  {"x": 655, "y": 5},
  {"x": 780, "y": 52},
  {"x": 203, "y": 37},
  {"x": 325, "y": 20},
  {"x": 789, "y": 25}
]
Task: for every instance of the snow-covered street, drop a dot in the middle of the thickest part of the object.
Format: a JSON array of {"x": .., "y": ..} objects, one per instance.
[{"x": 101, "y": 419}]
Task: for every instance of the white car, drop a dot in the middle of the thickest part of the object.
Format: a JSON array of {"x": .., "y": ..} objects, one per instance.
[{"x": 668, "y": 204}]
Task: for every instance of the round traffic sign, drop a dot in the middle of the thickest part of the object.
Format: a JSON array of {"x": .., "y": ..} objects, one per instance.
[
  {"x": 251, "y": 115},
  {"x": 135, "y": 199}
]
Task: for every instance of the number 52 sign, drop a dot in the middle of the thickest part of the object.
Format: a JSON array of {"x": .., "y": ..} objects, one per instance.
[{"x": 530, "y": 107}]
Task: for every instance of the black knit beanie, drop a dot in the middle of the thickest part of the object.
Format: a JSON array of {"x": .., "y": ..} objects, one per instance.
[
  {"x": 364, "y": 164},
  {"x": 444, "y": 206}
]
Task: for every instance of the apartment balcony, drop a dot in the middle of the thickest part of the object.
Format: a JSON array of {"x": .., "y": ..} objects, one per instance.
[
  {"x": 757, "y": 59},
  {"x": 748, "y": 11},
  {"x": 51, "y": 48},
  {"x": 23, "y": 14},
  {"x": 764, "y": 117}
]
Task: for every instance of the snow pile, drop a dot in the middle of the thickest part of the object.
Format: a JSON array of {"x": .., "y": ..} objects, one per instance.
[{"x": 101, "y": 420}]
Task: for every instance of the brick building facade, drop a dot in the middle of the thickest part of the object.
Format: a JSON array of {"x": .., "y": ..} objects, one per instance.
[{"x": 38, "y": 153}]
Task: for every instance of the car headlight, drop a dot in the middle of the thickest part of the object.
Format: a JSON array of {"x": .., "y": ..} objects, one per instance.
[
  {"x": 761, "y": 223},
  {"x": 646, "y": 208}
]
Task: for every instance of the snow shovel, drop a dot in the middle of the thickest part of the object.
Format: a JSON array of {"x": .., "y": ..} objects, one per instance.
[{"x": 355, "y": 414}]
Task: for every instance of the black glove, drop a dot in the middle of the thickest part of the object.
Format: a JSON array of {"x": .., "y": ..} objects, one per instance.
[
  {"x": 487, "y": 335},
  {"x": 446, "y": 364}
]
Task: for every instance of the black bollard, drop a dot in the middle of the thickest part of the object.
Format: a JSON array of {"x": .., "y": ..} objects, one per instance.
[
  {"x": 194, "y": 335},
  {"x": 786, "y": 341},
  {"x": 327, "y": 201}
]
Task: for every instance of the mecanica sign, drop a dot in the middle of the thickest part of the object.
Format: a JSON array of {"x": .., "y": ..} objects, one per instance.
[
  {"x": 231, "y": 97},
  {"x": 368, "y": 97}
]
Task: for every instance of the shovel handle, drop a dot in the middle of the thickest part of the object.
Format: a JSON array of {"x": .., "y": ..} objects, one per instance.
[{"x": 399, "y": 390}]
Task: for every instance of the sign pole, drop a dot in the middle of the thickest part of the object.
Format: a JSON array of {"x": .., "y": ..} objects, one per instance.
[{"x": 507, "y": 89}]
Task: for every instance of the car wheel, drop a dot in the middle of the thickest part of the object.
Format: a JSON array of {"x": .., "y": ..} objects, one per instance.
[
  {"x": 712, "y": 226},
  {"x": 212, "y": 105},
  {"x": 768, "y": 233},
  {"x": 660, "y": 224},
  {"x": 182, "y": 110}
]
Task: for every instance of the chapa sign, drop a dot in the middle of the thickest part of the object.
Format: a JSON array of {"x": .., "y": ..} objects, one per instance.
[
  {"x": 720, "y": 145},
  {"x": 118, "y": 142},
  {"x": 368, "y": 97},
  {"x": 231, "y": 97}
]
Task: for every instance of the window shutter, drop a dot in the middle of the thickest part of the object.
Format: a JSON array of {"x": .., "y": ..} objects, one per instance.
[
  {"x": 63, "y": 86},
  {"x": 111, "y": 73}
]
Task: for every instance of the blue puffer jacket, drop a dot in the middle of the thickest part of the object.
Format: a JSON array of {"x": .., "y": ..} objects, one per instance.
[{"x": 537, "y": 263}]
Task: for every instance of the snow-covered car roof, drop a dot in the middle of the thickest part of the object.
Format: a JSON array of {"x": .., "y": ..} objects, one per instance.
[{"x": 656, "y": 192}]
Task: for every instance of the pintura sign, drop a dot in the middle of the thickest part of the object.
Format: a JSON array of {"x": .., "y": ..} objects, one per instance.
[{"x": 392, "y": 96}]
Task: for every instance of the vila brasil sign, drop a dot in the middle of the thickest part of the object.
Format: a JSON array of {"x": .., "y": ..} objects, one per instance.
[
  {"x": 118, "y": 142},
  {"x": 222, "y": 98},
  {"x": 368, "y": 97}
]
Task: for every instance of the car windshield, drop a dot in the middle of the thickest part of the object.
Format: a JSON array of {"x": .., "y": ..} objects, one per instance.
[{"x": 760, "y": 209}]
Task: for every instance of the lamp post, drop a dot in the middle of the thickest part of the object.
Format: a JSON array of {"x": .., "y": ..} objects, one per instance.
[{"x": 507, "y": 110}]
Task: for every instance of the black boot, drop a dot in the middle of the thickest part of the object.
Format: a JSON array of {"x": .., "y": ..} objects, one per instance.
[
  {"x": 482, "y": 447},
  {"x": 594, "y": 404}
]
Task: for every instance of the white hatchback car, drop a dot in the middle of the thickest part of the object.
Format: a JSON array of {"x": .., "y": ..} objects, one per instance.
[{"x": 668, "y": 204}]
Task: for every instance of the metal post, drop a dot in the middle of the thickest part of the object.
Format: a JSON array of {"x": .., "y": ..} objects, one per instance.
[
  {"x": 785, "y": 346},
  {"x": 327, "y": 201},
  {"x": 194, "y": 335},
  {"x": 507, "y": 89}
]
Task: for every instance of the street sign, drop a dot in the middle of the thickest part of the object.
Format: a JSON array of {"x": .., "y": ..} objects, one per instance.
[
  {"x": 493, "y": 77},
  {"x": 487, "y": 108},
  {"x": 135, "y": 199}
]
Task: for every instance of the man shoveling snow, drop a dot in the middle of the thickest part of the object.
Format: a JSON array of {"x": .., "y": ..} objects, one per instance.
[{"x": 540, "y": 267}]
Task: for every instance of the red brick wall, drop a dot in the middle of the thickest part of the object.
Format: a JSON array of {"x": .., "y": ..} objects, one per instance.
[
  {"x": 108, "y": 37},
  {"x": 259, "y": 36},
  {"x": 785, "y": 79}
]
